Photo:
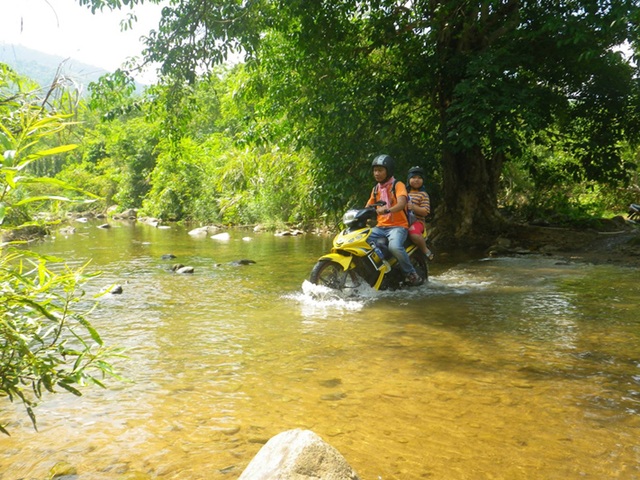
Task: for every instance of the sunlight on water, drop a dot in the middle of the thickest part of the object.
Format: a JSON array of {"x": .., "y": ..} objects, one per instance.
[{"x": 459, "y": 281}]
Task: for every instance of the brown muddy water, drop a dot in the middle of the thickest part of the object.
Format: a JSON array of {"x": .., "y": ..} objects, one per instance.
[{"x": 502, "y": 368}]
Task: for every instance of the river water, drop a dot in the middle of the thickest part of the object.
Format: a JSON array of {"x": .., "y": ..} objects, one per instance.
[{"x": 501, "y": 368}]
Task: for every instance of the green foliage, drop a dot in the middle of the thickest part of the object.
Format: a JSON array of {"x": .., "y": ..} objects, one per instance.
[
  {"x": 476, "y": 81},
  {"x": 542, "y": 185},
  {"x": 117, "y": 160},
  {"x": 24, "y": 130},
  {"x": 217, "y": 181},
  {"x": 178, "y": 183},
  {"x": 213, "y": 166},
  {"x": 267, "y": 186},
  {"x": 461, "y": 89},
  {"x": 112, "y": 94},
  {"x": 47, "y": 342}
]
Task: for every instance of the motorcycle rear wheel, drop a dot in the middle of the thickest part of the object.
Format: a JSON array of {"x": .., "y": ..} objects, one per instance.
[
  {"x": 332, "y": 275},
  {"x": 420, "y": 264}
]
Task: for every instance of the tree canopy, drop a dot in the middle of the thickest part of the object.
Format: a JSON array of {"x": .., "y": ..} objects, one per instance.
[{"x": 459, "y": 87}]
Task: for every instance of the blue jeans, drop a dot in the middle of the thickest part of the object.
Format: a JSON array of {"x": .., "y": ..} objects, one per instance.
[{"x": 396, "y": 237}]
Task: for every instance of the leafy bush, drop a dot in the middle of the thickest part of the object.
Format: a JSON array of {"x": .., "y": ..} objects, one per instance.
[
  {"x": 47, "y": 342},
  {"x": 217, "y": 181},
  {"x": 542, "y": 184}
]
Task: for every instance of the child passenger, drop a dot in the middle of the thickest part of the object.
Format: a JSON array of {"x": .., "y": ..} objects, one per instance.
[{"x": 420, "y": 204}]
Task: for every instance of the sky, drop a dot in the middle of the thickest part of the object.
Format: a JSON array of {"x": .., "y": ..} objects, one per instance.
[{"x": 63, "y": 27}]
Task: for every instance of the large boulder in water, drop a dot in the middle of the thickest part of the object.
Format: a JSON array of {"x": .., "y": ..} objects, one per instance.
[{"x": 298, "y": 455}]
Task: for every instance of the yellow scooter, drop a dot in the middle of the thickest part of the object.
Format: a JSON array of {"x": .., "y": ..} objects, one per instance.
[{"x": 353, "y": 259}]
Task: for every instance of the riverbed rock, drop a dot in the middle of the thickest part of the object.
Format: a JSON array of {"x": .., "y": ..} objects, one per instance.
[
  {"x": 288, "y": 233},
  {"x": 207, "y": 229},
  {"x": 243, "y": 261},
  {"x": 129, "y": 214},
  {"x": 179, "y": 268},
  {"x": 62, "y": 469},
  {"x": 298, "y": 455},
  {"x": 199, "y": 231},
  {"x": 152, "y": 221},
  {"x": 224, "y": 236}
]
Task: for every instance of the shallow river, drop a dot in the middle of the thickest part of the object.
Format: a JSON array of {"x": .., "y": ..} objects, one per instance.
[{"x": 505, "y": 368}]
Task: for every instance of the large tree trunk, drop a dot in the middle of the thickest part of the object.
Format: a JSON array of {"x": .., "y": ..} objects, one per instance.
[{"x": 468, "y": 214}]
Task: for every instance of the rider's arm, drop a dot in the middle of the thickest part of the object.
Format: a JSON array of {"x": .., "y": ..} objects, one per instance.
[
  {"x": 371, "y": 200},
  {"x": 400, "y": 204}
]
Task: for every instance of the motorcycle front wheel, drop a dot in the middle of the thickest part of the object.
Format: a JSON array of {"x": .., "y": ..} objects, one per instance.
[{"x": 332, "y": 275}]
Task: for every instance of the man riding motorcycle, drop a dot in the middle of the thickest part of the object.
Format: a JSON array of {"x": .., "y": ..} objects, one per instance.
[{"x": 392, "y": 220}]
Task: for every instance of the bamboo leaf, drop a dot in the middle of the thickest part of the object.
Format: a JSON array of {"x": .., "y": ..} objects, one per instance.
[
  {"x": 78, "y": 363},
  {"x": 53, "y": 151},
  {"x": 98, "y": 382},
  {"x": 32, "y": 416},
  {"x": 5, "y": 143},
  {"x": 57, "y": 183},
  {"x": 42, "y": 198},
  {"x": 9, "y": 177},
  {"x": 92, "y": 331},
  {"x": 69, "y": 388}
]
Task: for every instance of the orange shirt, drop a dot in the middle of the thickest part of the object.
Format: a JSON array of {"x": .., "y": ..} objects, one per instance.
[{"x": 396, "y": 219}]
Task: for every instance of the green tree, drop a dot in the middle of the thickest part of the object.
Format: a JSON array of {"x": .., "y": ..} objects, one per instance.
[
  {"x": 475, "y": 81},
  {"x": 218, "y": 166},
  {"x": 119, "y": 136}
]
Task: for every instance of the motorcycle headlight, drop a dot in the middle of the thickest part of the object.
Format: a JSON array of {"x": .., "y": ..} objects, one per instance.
[{"x": 349, "y": 217}]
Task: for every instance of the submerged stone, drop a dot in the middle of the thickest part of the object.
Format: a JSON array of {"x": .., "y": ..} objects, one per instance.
[{"x": 62, "y": 469}]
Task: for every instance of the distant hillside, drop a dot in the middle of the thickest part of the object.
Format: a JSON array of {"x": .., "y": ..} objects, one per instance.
[{"x": 42, "y": 67}]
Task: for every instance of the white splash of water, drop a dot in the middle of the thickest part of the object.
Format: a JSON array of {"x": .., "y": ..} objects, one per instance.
[{"x": 320, "y": 301}]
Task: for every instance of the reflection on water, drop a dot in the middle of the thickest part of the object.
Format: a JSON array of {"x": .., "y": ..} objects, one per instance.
[{"x": 499, "y": 368}]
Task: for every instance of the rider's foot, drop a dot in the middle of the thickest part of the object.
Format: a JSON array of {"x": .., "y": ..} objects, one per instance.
[
  {"x": 428, "y": 255},
  {"x": 413, "y": 280}
]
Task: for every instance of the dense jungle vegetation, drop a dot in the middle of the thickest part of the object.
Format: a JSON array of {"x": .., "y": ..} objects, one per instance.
[
  {"x": 531, "y": 108},
  {"x": 516, "y": 109}
]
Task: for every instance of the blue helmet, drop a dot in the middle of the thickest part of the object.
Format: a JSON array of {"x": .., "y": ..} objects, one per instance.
[{"x": 416, "y": 172}]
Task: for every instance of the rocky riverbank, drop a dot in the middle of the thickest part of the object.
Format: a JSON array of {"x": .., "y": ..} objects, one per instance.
[{"x": 617, "y": 242}]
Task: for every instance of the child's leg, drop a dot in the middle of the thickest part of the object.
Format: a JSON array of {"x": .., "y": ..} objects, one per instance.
[
  {"x": 415, "y": 233},
  {"x": 420, "y": 242}
]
